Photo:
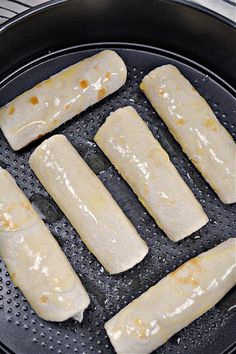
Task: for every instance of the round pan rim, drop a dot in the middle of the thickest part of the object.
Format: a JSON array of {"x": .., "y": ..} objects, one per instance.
[{"x": 38, "y": 8}]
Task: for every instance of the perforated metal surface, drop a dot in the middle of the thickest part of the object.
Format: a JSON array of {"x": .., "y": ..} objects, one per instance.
[{"x": 21, "y": 329}]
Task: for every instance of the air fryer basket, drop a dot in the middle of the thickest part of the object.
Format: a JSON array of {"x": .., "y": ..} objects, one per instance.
[{"x": 146, "y": 35}]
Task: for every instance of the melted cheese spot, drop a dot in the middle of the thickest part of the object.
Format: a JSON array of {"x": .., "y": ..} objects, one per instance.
[
  {"x": 11, "y": 110},
  {"x": 84, "y": 84},
  {"x": 44, "y": 299},
  {"x": 158, "y": 156},
  {"x": 211, "y": 124},
  {"x": 183, "y": 273},
  {"x": 13, "y": 276},
  {"x": 34, "y": 100},
  {"x": 180, "y": 121},
  {"x": 47, "y": 82},
  {"x": 107, "y": 75},
  {"x": 44, "y": 83},
  {"x": 142, "y": 86},
  {"x": 141, "y": 329},
  {"x": 145, "y": 189},
  {"x": 26, "y": 206},
  {"x": 67, "y": 106},
  {"x": 161, "y": 92},
  {"x": 7, "y": 223},
  {"x": 101, "y": 93}
]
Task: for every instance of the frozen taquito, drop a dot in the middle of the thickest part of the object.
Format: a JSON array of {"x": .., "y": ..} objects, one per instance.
[
  {"x": 145, "y": 165},
  {"x": 173, "y": 303},
  {"x": 34, "y": 259},
  {"x": 56, "y": 100},
  {"x": 83, "y": 198},
  {"x": 194, "y": 125}
]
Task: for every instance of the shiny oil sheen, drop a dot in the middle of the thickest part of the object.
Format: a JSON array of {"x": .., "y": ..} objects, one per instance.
[
  {"x": 56, "y": 100},
  {"x": 196, "y": 128},
  {"x": 102, "y": 225},
  {"x": 177, "y": 300},
  {"x": 34, "y": 260}
]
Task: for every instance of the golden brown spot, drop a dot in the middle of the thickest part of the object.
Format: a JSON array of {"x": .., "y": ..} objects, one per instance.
[
  {"x": 187, "y": 279},
  {"x": 48, "y": 81},
  {"x": 55, "y": 121},
  {"x": 44, "y": 299},
  {"x": 145, "y": 189},
  {"x": 141, "y": 328},
  {"x": 26, "y": 206},
  {"x": 67, "y": 106},
  {"x": 107, "y": 75},
  {"x": 38, "y": 85},
  {"x": 101, "y": 93},
  {"x": 142, "y": 87},
  {"x": 7, "y": 224},
  {"x": 211, "y": 124},
  {"x": 13, "y": 276},
  {"x": 11, "y": 110},
  {"x": 34, "y": 100},
  {"x": 161, "y": 92},
  {"x": 84, "y": 84},
  {"x": 157, "y": 155},
  {"x": 194, "y": 261},
  {"x": 180, "y": 121}
]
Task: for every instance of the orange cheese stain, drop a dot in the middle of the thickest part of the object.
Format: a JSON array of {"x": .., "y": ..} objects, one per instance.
[
  {"x": 26, "y": 206},
  {"x": 142, "y": 87},
  {"x": 13, "y": 276},
  {"x": 107, "y": 75},
  {"x": 8, "y": 224},
  {"x": 67, "y": 106},
  {"x": 84, "y": 84},
  {"x": 188, "y": 279},
  {"x": 34, "y": 100},
  {"x": 141, "y": 328},
  {"x": 11, "y": 110},
  {"x": 180, "y": 121},
  {"x": 44, "y": 299},
  {"x": 211, "y": 124},
  {"x": 160, "y": 92},
  {"x": 101, "y": 93}
]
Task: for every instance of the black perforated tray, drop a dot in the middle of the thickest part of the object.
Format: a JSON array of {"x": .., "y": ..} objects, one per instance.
[{"x": 21, "y": 330}]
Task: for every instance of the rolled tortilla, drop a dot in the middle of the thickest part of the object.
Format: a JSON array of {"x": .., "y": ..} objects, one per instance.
[
  {"x": 34, "y": 259},
  {"x": 88, "y": 205},
  {"x": 145, "y": 165},
  {"x": 194, "y": 125},
  {"x": 173, "y": 303},
  {"x": 56, "y": 100}
]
